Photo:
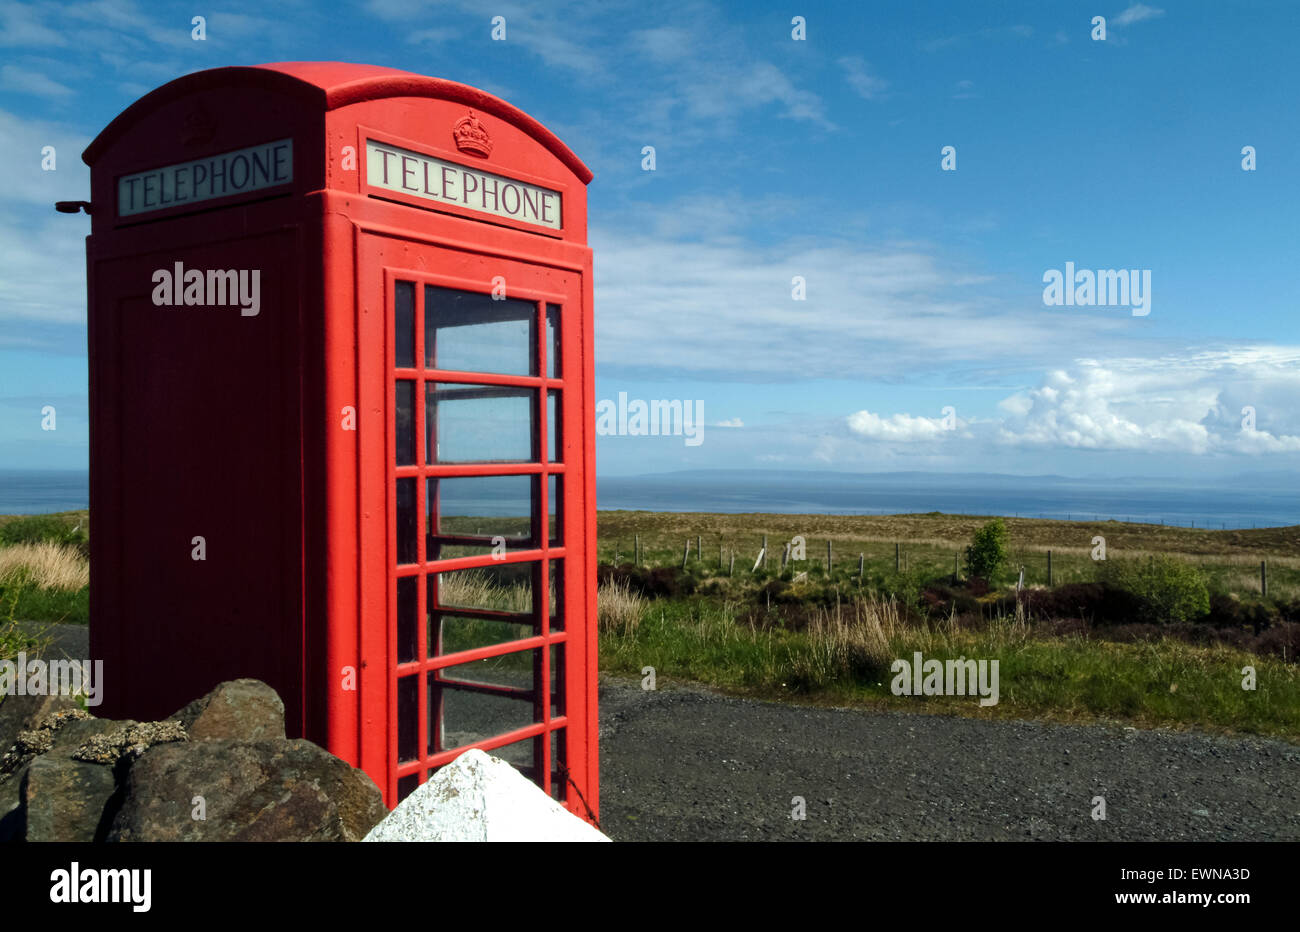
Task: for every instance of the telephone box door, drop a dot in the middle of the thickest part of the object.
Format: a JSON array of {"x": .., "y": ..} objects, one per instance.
[{"x": 484, "y": 503}]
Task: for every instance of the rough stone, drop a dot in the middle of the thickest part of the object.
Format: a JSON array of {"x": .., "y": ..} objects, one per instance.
[
  {"x": 49, "y": 796},
  {"x": 64, "y": 799},
  {"x": 260, "y": 790},
  {"x": 478, "y": 797},
  {"x": 240, "y": 709},
  {"x": 23, "y": 713}
]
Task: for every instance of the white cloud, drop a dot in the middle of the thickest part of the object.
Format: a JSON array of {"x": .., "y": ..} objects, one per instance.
[
  {"x": 1018, "y": 31},
  {"x": 20, "y": 25},
  {"x": 1188, "y": 404},
  {"x": 730, "y": 422},
  {"x": 707, "y": 300},
  {"x": 865, "y": 84},
  {"x": 25, "y": 181},
  {"x": 1136, "y": 14},
  {"x": 28, "y": 81},
  {"x": 898, "y": 428}
]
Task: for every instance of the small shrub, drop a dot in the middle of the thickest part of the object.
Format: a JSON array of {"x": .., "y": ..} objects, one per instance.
[
  {"x": 988, "y": 551},
  {"x": 940, "y": 601},
  {"x": 1229, "y": 611},
  {"x": 1168, "y": 590},
  {"x": 41, "y": 529},
  {"x": 649, "y": 582},
  {"x": 1095, "y": 602},
  {"x": 1281, "y": 641}
]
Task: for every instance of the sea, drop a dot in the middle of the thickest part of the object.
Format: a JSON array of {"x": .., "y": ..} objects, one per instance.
[{"x": 1237, "y": 502}]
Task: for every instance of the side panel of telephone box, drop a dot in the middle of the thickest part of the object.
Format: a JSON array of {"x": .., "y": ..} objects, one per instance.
[{"x": 206, "y": 488}]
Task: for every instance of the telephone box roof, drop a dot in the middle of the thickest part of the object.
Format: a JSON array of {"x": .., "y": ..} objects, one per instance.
[{"x": 330, "y": 85}]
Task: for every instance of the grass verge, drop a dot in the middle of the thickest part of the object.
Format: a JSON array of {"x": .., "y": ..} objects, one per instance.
[{"x": 843, "y": 658}]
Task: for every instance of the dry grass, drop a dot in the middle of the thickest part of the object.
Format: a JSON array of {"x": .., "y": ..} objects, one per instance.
[
  {"x": 477, "y": 589},
  {"x": 45, "y": 566},
  {"x": 743, "y": 531},
  {"x": 619, "y": 610},
  {"x": 849, "y": 641}
]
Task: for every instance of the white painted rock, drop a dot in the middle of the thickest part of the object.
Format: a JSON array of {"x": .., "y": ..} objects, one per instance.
[{"x": 480, "y": 798}]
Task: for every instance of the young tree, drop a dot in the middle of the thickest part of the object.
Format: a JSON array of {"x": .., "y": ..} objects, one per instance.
[{"x": 987, "y": 553}]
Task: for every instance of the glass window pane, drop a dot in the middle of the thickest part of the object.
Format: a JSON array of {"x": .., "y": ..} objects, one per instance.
[
  {"x": 471, "y": 515},
  {"x": 470, "y": 332},
  {"x": 557, "y": 680},
  {"x": 407, "y": 607},
  {"x": 554, "y": 450},
  {"x": 449, "y": 632},
  {"x": 558, "y": 764},
  {"x": 407, "y": 521},
  {"x": 405, "y": 445},
  {"x": 556, "y": 590},
  {"x": 471, "y": 702},
  {"x": 408, "y": 722},
  {"x": 478, "y": 424},
  {"x": 404, "y": 324},
  {"x": 507, "y": 587},
  {"x": 555, "y": 509},
  {"x": 553, "y": 341},
  {"x": 406, "y": 786}
]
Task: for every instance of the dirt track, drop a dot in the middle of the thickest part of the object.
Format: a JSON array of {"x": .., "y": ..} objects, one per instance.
[{"x": 682, "y": 764}]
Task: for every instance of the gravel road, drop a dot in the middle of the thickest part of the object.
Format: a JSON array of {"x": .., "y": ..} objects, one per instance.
[{"x": 686, "y": 764}]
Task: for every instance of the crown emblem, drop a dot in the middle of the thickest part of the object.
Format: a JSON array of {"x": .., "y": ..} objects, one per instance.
[
  {"x": 198, "y": 127},
  {"x": 471, "y": 136}
]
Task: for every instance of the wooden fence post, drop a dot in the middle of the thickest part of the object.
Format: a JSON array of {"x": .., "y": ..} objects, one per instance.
[
  {"x": 1049, "y": 568},
  {"x": 764, "y": 551},
  {"x": 686, "y": 552},
  {"x": 828, "y": 559}
]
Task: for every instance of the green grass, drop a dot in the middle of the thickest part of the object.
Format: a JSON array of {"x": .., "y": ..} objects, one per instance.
[
  {"x": 32, "y": 603},
  {"x": 1157, "y": 683},
  {"x": 727, "y": 637},
  {"x": 929, "y": 544}
]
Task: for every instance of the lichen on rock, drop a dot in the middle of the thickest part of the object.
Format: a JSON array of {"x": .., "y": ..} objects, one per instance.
[
  {"x": 129, "y": 741},
  {"x": 39, "y": 739}
]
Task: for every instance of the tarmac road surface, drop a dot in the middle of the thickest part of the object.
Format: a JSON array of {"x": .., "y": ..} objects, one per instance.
[{"x": 687, "y": 764}]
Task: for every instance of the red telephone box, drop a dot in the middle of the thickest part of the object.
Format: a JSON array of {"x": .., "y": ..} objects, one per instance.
[{"x": 342, "y": 417}]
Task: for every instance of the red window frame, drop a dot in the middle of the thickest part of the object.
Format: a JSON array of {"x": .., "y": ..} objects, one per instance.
[{"x": 543, "y": 555}]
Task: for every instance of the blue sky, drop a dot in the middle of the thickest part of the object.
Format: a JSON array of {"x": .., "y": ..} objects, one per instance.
[{"x": 818, "y": 158}]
